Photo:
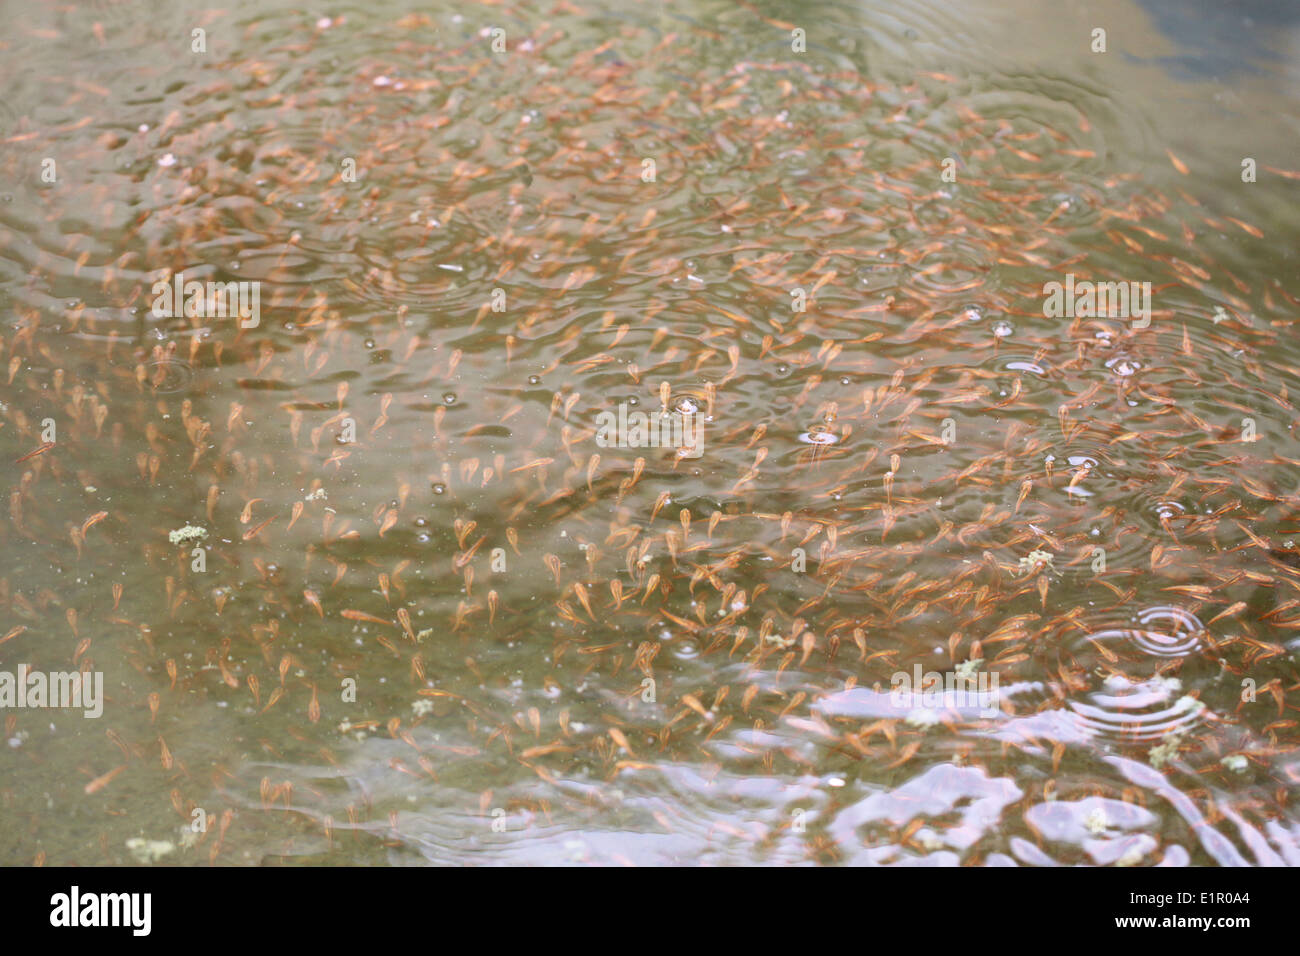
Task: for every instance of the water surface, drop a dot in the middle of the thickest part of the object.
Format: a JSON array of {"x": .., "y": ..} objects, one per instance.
[{"x": 439, "y": 622}]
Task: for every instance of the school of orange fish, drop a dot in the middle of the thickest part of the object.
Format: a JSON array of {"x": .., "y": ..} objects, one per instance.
[{"x": 436, "y": 620}]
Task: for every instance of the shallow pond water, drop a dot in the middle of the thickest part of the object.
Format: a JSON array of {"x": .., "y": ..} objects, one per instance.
[{"x": 632, "y": 407}]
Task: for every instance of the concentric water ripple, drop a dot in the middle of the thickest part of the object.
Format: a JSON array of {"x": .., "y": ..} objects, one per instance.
[
  {"x": 1115, "y": 689},
  {"x": 1160, "y": 632}
]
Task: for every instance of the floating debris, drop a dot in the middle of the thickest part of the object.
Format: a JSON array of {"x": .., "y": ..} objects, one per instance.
[
  {"x": 187, "y": 534},
  {"x": 149, "y": 851}
]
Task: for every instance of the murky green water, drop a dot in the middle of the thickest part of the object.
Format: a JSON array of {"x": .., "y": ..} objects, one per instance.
[{"x": 437, "y": 618}]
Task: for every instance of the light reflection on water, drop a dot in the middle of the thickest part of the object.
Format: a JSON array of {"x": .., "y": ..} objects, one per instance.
[{"x": 568, "y": 653}]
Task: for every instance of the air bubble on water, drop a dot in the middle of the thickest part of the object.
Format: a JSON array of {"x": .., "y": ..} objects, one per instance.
[
  {"x": 1122, "y": 366},
  {"x": 972, "y": 313},
  {"x": 449, "y": 398},
  {"x": 819, "y": 435},
  {"x": 534, "y": 380},
  {"x": 439, "y": 487},
  {"x": 1165, "y": 510},
  {"x": 1003, "y": 329},
  {"x": 687, "y": 650}
]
